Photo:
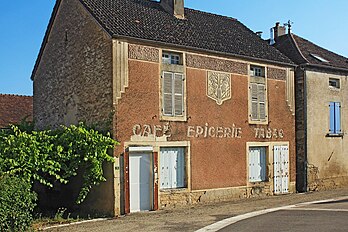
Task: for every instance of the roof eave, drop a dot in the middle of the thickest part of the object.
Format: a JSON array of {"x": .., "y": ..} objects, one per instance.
[{"x": 324, "y": 67}]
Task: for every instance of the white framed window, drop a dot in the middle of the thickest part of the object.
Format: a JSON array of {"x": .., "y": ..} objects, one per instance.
[
  {"x": 172, "y": 168},
  {"x": 171, "y": 58},
  {"x": 334, "y": 83},
  {"x": 257, "y": 164},
  {"x": 257, "y": 71},
  {"x": 173, "y": 94}
]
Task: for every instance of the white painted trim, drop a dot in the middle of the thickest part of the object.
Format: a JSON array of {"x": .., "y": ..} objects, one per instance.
[{"x": 140, "y": 149}]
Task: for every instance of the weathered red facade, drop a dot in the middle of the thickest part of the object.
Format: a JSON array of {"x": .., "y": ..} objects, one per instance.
[{"x": 217, "y": 134}]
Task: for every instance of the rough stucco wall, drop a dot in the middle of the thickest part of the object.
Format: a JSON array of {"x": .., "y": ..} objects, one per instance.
[
  {"x": 275, "y": 73},
  {"x": 327, "y": 156},
  {"x": 139, "y": 52},
  {"x": 210, "y": 63},
  {"x": 215, "y": 162},
  {"x": 73, "y": 83}
]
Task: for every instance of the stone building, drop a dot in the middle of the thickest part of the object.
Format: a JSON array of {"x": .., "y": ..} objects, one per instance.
[
  {"x": 14, "y": 109},
  {"x": 202, "y": 106},
  {"x": 321, "y": 112}
]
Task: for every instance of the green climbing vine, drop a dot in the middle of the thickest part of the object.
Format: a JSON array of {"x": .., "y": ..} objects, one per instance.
[{"x": 55, "y": 155}]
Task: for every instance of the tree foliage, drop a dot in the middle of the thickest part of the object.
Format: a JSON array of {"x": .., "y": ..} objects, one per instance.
[
  {"x": 17, "y": 203},
  {"x": 55, "y": 155}
]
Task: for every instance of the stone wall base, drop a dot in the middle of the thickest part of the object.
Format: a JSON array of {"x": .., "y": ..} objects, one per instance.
[
  {"x": 327, "y": 183},
  {"x": 174, "y": 199}
]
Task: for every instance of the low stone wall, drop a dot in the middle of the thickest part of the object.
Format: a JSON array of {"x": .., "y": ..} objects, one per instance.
[
  {"x": 175, "y": 198},
  {"x": 327, "y": 183}
]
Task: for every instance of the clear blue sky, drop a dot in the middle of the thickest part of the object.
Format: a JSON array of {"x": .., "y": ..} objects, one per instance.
[{"x": 23, "y": 24}]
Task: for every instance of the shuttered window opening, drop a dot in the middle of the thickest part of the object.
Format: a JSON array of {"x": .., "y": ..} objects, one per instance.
[
  {"x": 172, "y": 168},
  {"x": 335, "y": 118},
  {"x": 258, "y": 102},
  {"x": 257, "y": 164},
  {"x": 173, "y": 94}
]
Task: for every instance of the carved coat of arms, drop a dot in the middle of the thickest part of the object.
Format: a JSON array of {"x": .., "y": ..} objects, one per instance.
[{"x": 218, "y": 86}]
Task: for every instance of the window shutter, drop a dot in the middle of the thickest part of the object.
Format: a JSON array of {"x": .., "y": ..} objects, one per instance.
[
  {"x": 172, "y": 164},
  {"x": 337, "y": 117},
  {"x": 254, "y": 101},
  {"x": 261, "y": 91},
  {"x": 251, "y": 165},
  {"x": 178, "y": 94},
  {"x": 257, "y": 164},
  {"x": 167, "y": 101},
  {"x": 332, "y": 118},
  {"x": 164, "y": 166}
]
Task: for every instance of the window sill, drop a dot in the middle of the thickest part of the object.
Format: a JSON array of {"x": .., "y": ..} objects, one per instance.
[
  {"x": 340, "y": 135},
  {"x": 253, "y": 122},
  {"x": 177, "y": 190},
  {"x": 173, "y": 118}
]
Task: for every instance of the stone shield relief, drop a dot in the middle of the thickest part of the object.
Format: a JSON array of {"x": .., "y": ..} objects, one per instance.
[{"x": 218, "y": 86}]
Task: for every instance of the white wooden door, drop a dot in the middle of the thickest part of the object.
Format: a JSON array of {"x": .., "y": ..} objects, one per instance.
[
  {"x": 140, "y": 178},
  {"x": 281, "y": 169}
]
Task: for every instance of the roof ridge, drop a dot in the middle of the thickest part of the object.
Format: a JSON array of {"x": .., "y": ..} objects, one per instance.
[
  {"x": 297, "y": 47},
  {"x": 212, "y": 14},
  {"x": 14, "y": 95}
]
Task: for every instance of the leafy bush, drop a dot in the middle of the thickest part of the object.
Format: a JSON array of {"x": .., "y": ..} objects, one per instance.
[
  {"x": 49, "y": 156},
  {"x": 17, "y": 203}
]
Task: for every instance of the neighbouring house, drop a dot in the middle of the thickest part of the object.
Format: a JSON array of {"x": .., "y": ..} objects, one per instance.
[
  {"x": 202, "y": 106},
  {"x": 14, "y": 109},
  {"x": 321, "y": 112}
]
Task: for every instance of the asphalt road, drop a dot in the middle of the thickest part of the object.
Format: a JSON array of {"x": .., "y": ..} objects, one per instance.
[
  {"x": 195, "y": 217},
  {"x": 317, "y": 217}
]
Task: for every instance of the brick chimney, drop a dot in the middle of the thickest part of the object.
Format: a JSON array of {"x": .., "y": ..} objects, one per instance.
[
  {"x": 174, "y": 7},
  {"x": 278, "y": 31}
]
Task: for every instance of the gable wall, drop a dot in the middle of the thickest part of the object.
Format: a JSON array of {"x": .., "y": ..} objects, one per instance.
[{"x": 73, "y": 83}]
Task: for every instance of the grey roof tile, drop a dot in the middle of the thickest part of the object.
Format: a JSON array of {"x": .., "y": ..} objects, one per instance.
[{"x": 147, "y": 20}]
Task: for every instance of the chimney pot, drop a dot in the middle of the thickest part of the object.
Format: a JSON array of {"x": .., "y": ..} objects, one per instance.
[
  {"x": 174, "y": 7},
  {"x": 278, "y": 31}
]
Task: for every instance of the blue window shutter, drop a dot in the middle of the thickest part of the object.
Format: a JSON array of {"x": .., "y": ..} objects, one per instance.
[
  {"x": 337, "y": 117},
  {"x": 332, "y": 118}
]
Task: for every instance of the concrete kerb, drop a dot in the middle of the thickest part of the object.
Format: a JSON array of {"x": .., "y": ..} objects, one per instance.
[
  {"x": 74, "y": 223},
  {"x": 229, "y": 221}
]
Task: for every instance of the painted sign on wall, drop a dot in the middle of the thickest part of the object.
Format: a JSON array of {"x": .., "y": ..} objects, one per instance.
[
  {"x": 268, "y": 133},
  {"x": 214, "y": 131}
]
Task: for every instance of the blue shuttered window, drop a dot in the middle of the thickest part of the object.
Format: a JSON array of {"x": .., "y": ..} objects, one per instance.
[{"x": 335, "y": 118}]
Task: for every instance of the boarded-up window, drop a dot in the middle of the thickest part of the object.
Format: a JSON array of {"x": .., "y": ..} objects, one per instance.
[
  {"x": 173, "y": 94},
  {"x": 172, "y": 168},
  {"x": 257, "y": 164}
]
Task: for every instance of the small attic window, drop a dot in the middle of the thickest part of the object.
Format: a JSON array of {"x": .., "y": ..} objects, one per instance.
[
  {"x": 319, "y": 58},
  {"x": 171, "y": 58},
  {"x": 334, "y": 83}
]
